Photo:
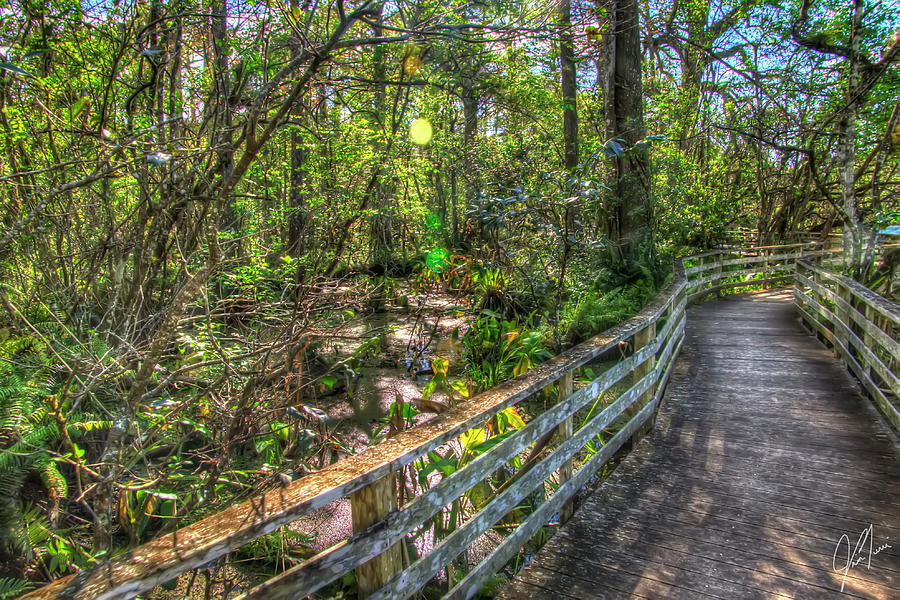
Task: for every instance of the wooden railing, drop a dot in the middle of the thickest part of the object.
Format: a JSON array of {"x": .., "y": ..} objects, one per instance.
[
  {"x": 765, "y": 266},
  {"x": 643, "y": 348},
  {"x": 747, "y": 237},
  {"x": 861, "y": 327}
]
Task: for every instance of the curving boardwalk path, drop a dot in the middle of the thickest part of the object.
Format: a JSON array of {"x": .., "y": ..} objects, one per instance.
[{"x": 764, "y": 455}]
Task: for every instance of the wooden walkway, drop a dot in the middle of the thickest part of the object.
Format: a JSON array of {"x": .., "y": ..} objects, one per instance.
[{"x": 764, "y": 455}]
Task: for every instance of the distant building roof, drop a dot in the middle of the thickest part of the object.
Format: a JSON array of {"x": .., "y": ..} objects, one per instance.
[{"x": 892, "y": 230}]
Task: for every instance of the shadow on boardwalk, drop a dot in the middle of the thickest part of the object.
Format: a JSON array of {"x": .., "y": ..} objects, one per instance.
[{"x": 764, "y": 455}]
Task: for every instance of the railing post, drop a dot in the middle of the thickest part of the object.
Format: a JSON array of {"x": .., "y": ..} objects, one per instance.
[
  {"x": 718, "y": 258},
  {"x": 765, "y": 284},
  {"x": 368, "y": 506},
  {"x": 641, "y": 339},
  {"x": 565, "y": 432},
  {"x": 826, "y": 337},
  {"x": 842, "y": 314},
  {"x": 799, "y": 287},
  {"x": 868, "y": 339}
]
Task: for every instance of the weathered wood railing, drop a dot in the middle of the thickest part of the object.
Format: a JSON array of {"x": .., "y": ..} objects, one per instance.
[
  {"x": 765, "y": 266},
  {"x": 751, "y": 237},
  {"x": 631, "y": 389},
  {"x": 860, "y": 326}
]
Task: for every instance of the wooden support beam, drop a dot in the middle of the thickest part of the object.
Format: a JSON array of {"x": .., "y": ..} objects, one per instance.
[
  {"x": 842, "y": 312},
  {"x": 869, "y": 340},
  {"x": 565, "y": 432},
  {"x": 641, "y": 339},
  {"x": 719, "y": 270},
  {"x": 368, "y": 506}
]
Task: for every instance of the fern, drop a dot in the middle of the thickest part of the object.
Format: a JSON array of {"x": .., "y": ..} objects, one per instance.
[
  {"x": 31, "y": 437},
  {"x": 11, "y": 587},
  {"x": 25, "y": 435}
]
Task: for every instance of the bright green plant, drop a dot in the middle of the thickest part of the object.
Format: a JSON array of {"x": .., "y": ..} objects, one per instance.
[
  {"x": 497, "y": 349},
  {"x": 471, "y": 444}
]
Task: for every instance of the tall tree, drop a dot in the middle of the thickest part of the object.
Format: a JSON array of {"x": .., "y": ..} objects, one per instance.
[
  {"x": 382, "y": 221},
  {"x": 297, "y": 216},
  {"x": 222, "y": 117},
  {"x": 568, "y": 86},
  {"x": 862, "y": 74},
  {"x": 631, "y": 217}
]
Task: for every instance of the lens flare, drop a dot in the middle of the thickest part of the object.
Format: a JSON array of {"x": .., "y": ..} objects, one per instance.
[
  {"x": 420, "y": 132},
  {"x": 412, "y": 65},
  {"x": 437, "y": 260}
]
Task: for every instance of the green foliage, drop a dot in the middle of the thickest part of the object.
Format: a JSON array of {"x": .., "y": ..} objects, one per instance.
[
  {"x": 31, "y": 444},
  {"x": 279, "y": 550},
  {"x": 695, "y": 208},
  {"x": 107, "y": 102},
  {"x": 11, "y": 587},
  {"x": 496, "y": 349},
  {"x": 139, "y": 508},
  {"x": 596, "y": 310},
  {"x": 471, "y": 444}
]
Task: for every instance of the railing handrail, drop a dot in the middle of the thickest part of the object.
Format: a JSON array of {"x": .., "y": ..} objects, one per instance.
[
  {"x": 195, "y": 545},
  {"x": 861, "y": 326},
  {"x": 884, "y": 307}
]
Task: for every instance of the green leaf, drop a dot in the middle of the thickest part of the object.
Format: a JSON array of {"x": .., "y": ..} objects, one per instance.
[
  {"x": 12, "y": 587},
  {"x": 349, "y": 580},
  {"x": 263, "y": 443},
  {"x": 461, "y": 387},
  {"x": 167, "y": 508},
  {"x": 79, "y": 107},
  {"x": 447, "y": 467},
  {"x": 440, "y": 365},
  {"x": 14, "y": 69},
  {"x": 409, "y": 411},
  {"x": 471, "y": 437},
  {"x": 280, "y": 429},
  {"x": 490, "y": 443},
  {"x": 480, "y": 494},
  {"x": 431, "y": 386},
  {"x": 328, "y": 381},
  {"x": 522, "y": 365},
  {"x": 613, "y": 149},
  {"x": 510, "y": 417}
]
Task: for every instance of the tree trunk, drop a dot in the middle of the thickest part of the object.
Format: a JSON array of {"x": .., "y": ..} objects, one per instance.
[
  {"x": 569, "y": 90},
  {"x": 223, "y": 117},
  {"x": 297, "y": 200},
  {"x": 382, "y": 224},
  {"x": 568, "y": 85},
  {"x": 846, "y": 156},
  {"x": 623, "y": 106},
  {"x": 470, "y": 131}
]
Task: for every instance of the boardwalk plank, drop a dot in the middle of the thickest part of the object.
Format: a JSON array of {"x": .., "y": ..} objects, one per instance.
[
  {"x": 765, "y": 453},
  {"x": 734, "y": 564}
]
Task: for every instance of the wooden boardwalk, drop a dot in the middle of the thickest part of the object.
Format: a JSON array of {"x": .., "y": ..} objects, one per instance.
[{"x": 764, "y": 455}]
